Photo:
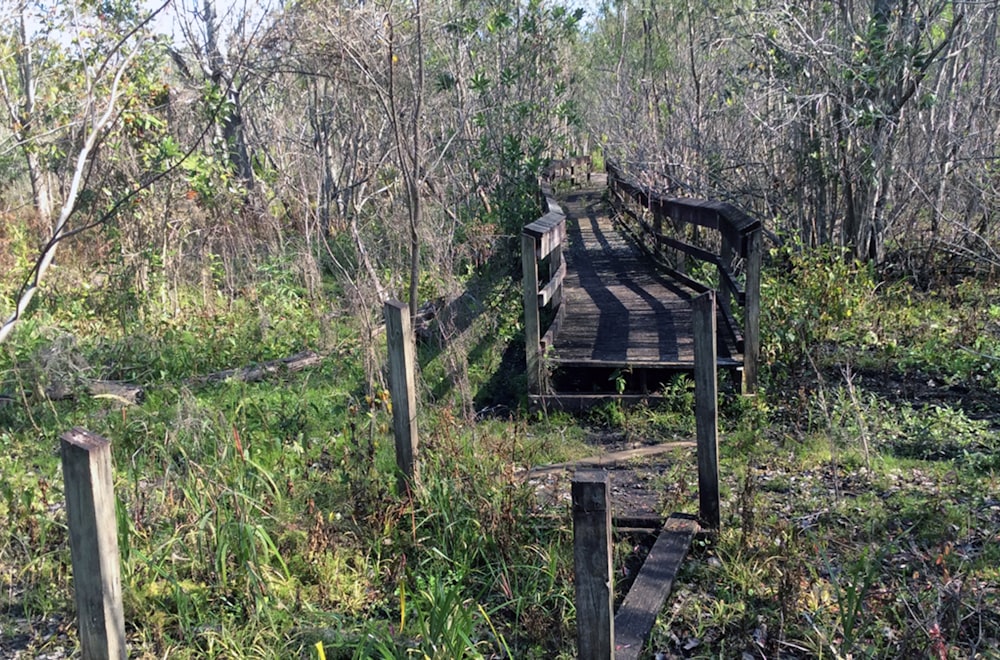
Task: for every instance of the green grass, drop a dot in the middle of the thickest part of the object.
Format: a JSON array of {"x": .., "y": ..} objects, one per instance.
[
  {"x": 861, "y": 504},
  {"x": 258, "y": 518}
]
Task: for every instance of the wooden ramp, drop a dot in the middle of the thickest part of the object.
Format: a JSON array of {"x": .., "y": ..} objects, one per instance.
[
  {"x": 619, "y": 312},
  {"x": 637, "y": 614}
]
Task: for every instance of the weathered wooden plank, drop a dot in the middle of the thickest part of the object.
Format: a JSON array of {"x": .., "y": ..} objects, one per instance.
[
  {"x": 741, "y": 220},
  {"x": 708, "y": 213},
  {"x": 727, "y": 280},
  {"x": 616, "y": 310},
  {"x": 544, "y": 224},
  {"x": 687, "y": 248},
  {"x": 642, "y": 604},
  {"x": 593, "y": 573},
  {"x": 123, "y": 393},
  {"x": 557, "y": 271},
  {"x": 532, "y": 331},
  {"x": 548, "y": 340},
  {"x": 558, "y": 168},
  {"x": 636, "y": 362},
  {"x": 93, "y": 536},
  {"x": 611, "y": 459},
  {"x": 554, "y": 206},
  {"x": 258, "y": 372},
  {"x": 730, "y": 327},
  {"x": 551, "y": 290},
  {"x": 751, "y": 312},
  {"x": 547, "y": 198},
  {"x": 706, "y": 395},
  {"x": 683, "y": 278},
  {"x": 401, "y": 345},
  {"x": 549, "y": 232}
]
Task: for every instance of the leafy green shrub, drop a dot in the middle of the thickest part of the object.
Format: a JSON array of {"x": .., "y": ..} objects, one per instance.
[
  {"x": 930, "y": 432},
  {"x": 934, "y": 432},
  {"x": 811, "y": 297}
]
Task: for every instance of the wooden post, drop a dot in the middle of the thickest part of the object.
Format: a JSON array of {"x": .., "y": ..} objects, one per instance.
[
  {"x": 402, "y": 387},
  {"x": 593, "y": 572},
  {"x": 93, "y": 538},
  {"x": 532, "y": 330},
  {"x": 706, "y": 392},
  {"x": 751, "y": 312}
]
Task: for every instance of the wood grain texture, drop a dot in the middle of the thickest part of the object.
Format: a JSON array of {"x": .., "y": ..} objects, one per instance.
[
  {"x": 620, "y": 312},
  {"x": 609, "y": 460},
  {"x": 93, "y": 536},
  {"x": 706, "y": 408},
  {"x": 642, "y": 604},
  {"x": 532, "y": 329},
  {"x": 593, "y": 572},
  {"x": 402, "y": 386},
  {"x": 751, "y": 330}
]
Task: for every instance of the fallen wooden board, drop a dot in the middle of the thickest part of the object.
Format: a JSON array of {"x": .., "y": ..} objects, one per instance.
[
  {"x": 637, "y": 614},
  {"x": 258, "y": 372},
  {"x": 132, "y": 394},
  {"x": 125, "y": 393},
  {"x": 607, "y": 460}
]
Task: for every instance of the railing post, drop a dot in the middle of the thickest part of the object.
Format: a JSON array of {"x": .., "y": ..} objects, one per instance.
[
  {"x": 93, "y": 540},
  {"x": 402, "y": 387},
  {"x": 593, "y": 573},
  {"x": 532, "y": 331},
  {"x": 751, "y": 311},
  {"x": 706, "y": 393}
]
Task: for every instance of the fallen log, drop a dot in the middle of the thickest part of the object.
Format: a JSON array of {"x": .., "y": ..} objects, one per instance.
[
  {"x": 128, "y": 393},
  {"x": 124, "y": 392},
  {"x": 132, "y": 394},
  {"x": 258, "y": 372}
]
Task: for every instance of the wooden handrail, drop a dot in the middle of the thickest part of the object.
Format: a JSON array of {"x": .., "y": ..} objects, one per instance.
[
  {"x": 740, "y": 236},
  {"x": 543, "y": 239}
]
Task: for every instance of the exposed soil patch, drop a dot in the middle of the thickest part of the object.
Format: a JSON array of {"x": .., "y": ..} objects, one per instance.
[{"x": 640, "y": 487}]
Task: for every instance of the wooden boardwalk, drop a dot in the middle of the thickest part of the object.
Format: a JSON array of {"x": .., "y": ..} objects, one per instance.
[{"x": 619, "y": 312}]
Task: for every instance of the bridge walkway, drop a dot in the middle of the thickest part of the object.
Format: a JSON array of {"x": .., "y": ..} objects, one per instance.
[{"x": 620, "y": 312}]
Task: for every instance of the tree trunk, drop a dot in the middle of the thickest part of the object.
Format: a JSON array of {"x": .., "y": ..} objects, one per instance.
[{"x": 23, "y": 117}]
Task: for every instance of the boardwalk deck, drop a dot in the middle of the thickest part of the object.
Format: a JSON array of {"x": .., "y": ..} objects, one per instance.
[{"x": 619, "y": 312}]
